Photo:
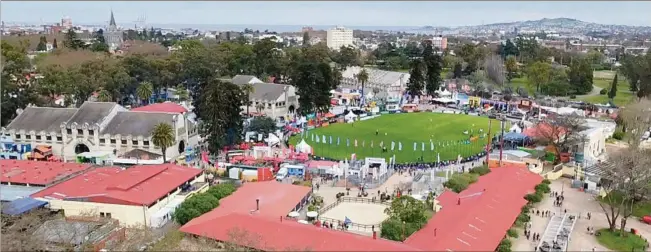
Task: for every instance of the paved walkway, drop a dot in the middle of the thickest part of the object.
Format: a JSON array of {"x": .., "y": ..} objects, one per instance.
[{"x": 579, "y": 203}]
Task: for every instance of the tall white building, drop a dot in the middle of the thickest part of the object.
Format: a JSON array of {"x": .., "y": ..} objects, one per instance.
[{"x": 338, "y": 37}]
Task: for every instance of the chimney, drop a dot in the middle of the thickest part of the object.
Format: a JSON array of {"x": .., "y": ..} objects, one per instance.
[
  {"x": 257, "y": 204},
  {"x": 459, "y": 201}
]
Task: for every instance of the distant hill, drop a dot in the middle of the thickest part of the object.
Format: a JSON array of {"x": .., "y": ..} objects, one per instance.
[{"x": 546, "y": 24}]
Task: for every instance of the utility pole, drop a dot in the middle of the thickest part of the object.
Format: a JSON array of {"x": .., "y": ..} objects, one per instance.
[
  {"x": 502, "y": 123},
  {"x": 488, "y": 144}
]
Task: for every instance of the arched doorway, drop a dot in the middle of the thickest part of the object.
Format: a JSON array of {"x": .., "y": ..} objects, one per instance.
[
  {"x": 291, "y": 109},
  {"x": 81, "y": 148},
  {"x": 181, "y": 147}
]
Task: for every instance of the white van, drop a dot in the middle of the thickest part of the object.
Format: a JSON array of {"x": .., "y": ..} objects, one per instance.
[{"x": 282, "y": 174}]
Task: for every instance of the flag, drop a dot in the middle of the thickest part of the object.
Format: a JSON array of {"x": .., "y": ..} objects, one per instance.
[
  {"x": 312, "y": 139},
  {"x": 324, "y": 138},
  {"x": 382, "y": 144},
  {"x": 438, "y": 157},
  {"x": 431, "y": 145},
  {"x": 347, "y": 142},
  {"x": 337, "y": 140},
  {"x": 355, "y": 142},
  {"x": 330, "y": 139},
  {"x": 317, "y": 139},
  {"x": 393, "y": 145},
  {"x": 363, "y": 143},
  {"x": 400, "y": 146},
  {"x": 422, "y": 146},
  {"x": 371, "y": 143},
  {"x": 414, "y": 146}
]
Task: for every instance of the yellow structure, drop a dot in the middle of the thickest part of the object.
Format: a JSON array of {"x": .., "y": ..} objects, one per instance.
[{"x": 474, "y": 101}]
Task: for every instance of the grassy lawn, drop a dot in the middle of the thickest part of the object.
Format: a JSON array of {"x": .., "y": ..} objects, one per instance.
[
  {"x": 640, "y": 209},
  {"x": 616, "y": 242},
  {"x": 623, "y": 94},
  {"x": 408, "y": 128}
]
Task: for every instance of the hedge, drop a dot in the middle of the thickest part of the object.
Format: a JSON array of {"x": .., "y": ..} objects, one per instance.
[{"x": 202, "y": 203}]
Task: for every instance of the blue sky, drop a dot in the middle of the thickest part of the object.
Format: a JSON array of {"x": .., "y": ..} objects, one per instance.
[{"x": 366, "y": 13}]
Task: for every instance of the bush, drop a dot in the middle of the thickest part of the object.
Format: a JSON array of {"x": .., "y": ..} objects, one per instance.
[
  {"x": 618, "y": 135},
  {"x": 202, "y": 203},
  {"x": 460, "y": 181},
  {"x": 543, "y": 188},
  {"x": 572, "y": 96},
  {"x": 603, "y": 92},
  {"x": 512, "y": 233},
  {"x": 504, "y": 246},
  {"x": 533, "y": 197},
  {"x": 546, "y": 181},
  {"x": 481, "y": 171}
]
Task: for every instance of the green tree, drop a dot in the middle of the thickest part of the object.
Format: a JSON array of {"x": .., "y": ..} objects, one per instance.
[
  {"x": 72, "y": 41},
  {"x": 580, "y": 75},
  {"x": 538, "y": 74},
  {"x": 416, "y": 79},
  {"x": 42, "y": 44},
  {"x": 362, "y": 78},
  {"x": 15, "y": 94},
  {"x": 347, "y": 56},
  {"x": 55, "y": 45},
  {"x": 613, "y": 89},
  {"x": 220, "y": 109},
  {"x": 433, "y": 67},
  {"x": 163, "y": 137},
  {"x": 407, "y": 209},
  {"x": 144, "y": 92},
  {"x": 263, "y": 125},
  {"x": 104, "y": 96},
  {"x": 99, "y": 43},
  {"x": 458, "y": 70},
  {"x": 511, "y": 65},
  {"x": 314, "y": 78},
  {"x": 181, "y": 92}
]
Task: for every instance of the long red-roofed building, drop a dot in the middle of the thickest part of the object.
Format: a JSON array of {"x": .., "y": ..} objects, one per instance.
[
  {"x": 37, "y": 173},
  {"x": 135, "y": 196},
  {"x": 474, "y": 220}
]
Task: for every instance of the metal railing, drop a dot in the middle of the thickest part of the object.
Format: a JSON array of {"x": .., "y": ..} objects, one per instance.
[
  {"x": 363, "y": 200},
  {"x": 352, "y": 226}
]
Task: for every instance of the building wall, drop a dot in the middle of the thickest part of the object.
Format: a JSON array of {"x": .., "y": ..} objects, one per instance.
[
  {"x": 128, "y": 215},
  {"x": 338, "y": 37}
]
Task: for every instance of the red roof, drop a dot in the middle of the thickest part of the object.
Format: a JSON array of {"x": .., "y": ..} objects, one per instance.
[
  {"x": 321, "y": 163},
  {"x": 544, "y": 130},
  {"x": 487, "y": 209},
  {"x": 138, "y": 185},
  {"x": 37, "y": 173},
  {"x": 168, "y": 107},
  {"x": 270, "y": 234}
]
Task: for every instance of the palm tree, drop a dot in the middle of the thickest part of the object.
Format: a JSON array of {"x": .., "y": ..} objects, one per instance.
[
  {"x": 163, "y": 137},
  {"x": 248, "y": 89},
  {"x": 104, "y": 96},
  {"x": 182, "y": 93},
  {"x": 362, "y": 77},
  {"x": 145, "y": 91}
]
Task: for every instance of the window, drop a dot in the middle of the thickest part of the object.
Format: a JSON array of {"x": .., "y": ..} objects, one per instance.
[
  {"x": 102, "y": 140},
  {"x": 91, "y": 132},
  {"x": 134, "y": 142},
  {"x": 124, "y": 142},
  {"x": 101, "y": 214},
  {"x": 38, "y": 137},
  {"x": 59, "y": 139},
  {"x": 28, "y": 137},
  {"x": 108, "y": 215},
  {"x": 48, "y": 138},
  {"x": 80, "y": 132},
  {"x": 113, "y": 141},
  {"x": 145, "y": 143},
  {"x": 17, "y": 136},
  {"x": 69, "y": 131}
]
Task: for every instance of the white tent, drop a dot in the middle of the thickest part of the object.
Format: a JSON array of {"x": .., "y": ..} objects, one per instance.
[
  {"x": 369, "y": 95},
  {"x": 303, "y": 147},
  {"x": 272, "y": 139},
  {"x": 350, "y": 116},
  {"x": 444, "y": 100},
  {"x": 515, "y": 128}
]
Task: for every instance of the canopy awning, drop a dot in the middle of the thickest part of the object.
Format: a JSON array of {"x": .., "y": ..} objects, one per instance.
[{"x": 21, "y": 206}]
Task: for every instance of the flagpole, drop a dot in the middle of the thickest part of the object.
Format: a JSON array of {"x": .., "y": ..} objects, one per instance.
[
  {"x": 488, "y": 143},
  {"x": 503, "y": 122}
]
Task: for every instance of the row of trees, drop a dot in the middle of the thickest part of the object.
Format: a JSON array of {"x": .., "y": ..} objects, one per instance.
[
  {"x": 425, "y": 74},
  {"x": 637, "y": 70}
]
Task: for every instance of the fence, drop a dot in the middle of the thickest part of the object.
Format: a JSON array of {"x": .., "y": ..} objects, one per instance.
[
  {"x": 352, "y": 225},
  {"x": 369, "y": 183}
]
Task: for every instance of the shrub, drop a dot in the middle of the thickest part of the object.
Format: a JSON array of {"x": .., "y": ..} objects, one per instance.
[
  {"x": 572, "y": 96},
  {"x": 512, "y": 233},
  {"x": 603, "y": 91},
  {"x": 533, "y": 197},
  {"x": 481, "y": 171},
  {"x": 202, "y": 203},
  {"x": 460, "y": 181},
  {"x": 543, "y": 188},
  {"x": 504, "y": 246},
  {"x": 618, "y": 135},
  {"x": 546, "y": 181}
]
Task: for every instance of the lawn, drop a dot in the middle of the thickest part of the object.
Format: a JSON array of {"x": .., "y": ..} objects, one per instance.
[
  {"x": 624, "y": 95},
  {"x": 640, "y": 209},
  {"x": 444, "y": 130},
  {"x": 616, "y": 242}
]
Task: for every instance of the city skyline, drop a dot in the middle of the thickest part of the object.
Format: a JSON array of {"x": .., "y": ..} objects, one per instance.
[{"x": 450, "y": 14}]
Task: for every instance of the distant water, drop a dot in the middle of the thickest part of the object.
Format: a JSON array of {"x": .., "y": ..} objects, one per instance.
[{"x": 276, "y": 28}]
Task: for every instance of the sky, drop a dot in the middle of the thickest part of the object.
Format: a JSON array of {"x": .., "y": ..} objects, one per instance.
[{"x": 352, "y": 13}]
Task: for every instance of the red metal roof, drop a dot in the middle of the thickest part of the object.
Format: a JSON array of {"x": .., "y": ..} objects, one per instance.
[
  {"x": 270, "y": 234},
  {"x": 544, "y": 130},
  {"x": 477, "y": 218},
  {"x": 38, "y": 173},
  {"x": 168, "y": 107},
  {"x": 138, "y": 185}
]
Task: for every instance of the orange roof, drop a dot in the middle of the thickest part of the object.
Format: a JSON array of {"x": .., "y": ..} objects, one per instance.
[
  {"x": 40, "y": 173},
  {"x": 138, "y": 185},
  {"x": 168, "y": 107},
  {"x": 544, "y": 130},
  {"x": 477, "y": 218}
]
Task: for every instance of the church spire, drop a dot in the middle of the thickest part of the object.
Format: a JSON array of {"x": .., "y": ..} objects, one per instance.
[{"x": 112, "y": 22}]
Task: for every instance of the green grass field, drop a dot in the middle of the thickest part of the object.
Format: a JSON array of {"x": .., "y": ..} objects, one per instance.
[{"x": 407, "y": 129}]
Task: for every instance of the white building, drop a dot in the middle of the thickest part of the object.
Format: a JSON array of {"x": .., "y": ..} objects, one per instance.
[
  {"x": 273, "y": 100},
  {"x": 391, "y": 84},
  {"x": 98, "y": 126},
  {"x": 338, "y": 37}
]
